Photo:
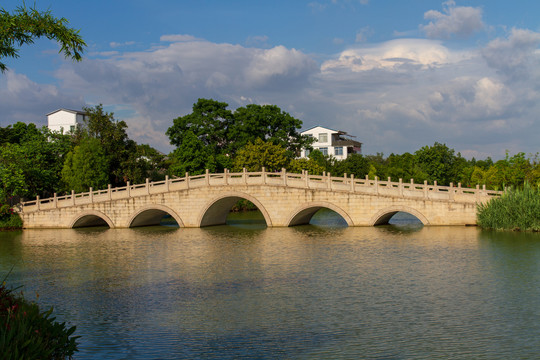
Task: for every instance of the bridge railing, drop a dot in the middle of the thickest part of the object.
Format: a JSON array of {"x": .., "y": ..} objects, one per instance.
[{"x": 303, "y": 180}]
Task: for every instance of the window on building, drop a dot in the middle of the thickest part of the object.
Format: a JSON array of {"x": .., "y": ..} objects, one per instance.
[
  {"x": 72, "y": 128},
  {"x": 323, "y": 137},
  {"x": 338, "y": 150},
  {"x": 307, "y": 152},
  {"x": 324, "y": 150}
]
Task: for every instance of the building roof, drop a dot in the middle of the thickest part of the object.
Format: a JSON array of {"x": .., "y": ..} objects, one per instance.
[
  {"x": 77, "y": 112},
  {"x": 311, "y": 128}
]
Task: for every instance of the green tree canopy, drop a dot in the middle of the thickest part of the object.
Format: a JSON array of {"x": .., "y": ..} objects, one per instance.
[
  {"x": 269, "y": 123},
  {"x": 191, "y": 156},
  {"x": 255, "y": 156},
  {"x": 209, "y": 122},
  {"x": 86, "y": 166},
  {"x": 24, "y": 25}
]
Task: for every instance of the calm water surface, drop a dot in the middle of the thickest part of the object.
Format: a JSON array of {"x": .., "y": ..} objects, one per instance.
[{"x": 309, "y": 292}]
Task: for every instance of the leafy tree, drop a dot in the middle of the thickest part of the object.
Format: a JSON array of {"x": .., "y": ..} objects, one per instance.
[
  {"x": 404, "y": 167},
  {"x": 36, "y": 157},
  {"x": 12, "y": 179},
  {"x": 145, "y": 162},
  {"x": 439, "y": 163},
  {"x": 255, "y": 156},
  {"x": 269, "y": 123},
  {"x": 86, "y": 166},
  {"x": 209, "y": 122},
  {"x": 25, "y": 25},
  {"x": 355, "y": 164},
  {"x": 113, "y": 138},
  {"x": 191, "y": 156},
  {"x": 310, "y": 165}
]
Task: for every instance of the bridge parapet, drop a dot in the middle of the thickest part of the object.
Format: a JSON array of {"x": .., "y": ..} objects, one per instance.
[{"x": 324, "y": 182}]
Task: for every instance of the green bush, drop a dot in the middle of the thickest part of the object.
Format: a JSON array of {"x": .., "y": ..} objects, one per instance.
[
  {"x": 9, "y": 219},
  {"x": 516, "y": 209},
  {"x": 28, "y": 333}
]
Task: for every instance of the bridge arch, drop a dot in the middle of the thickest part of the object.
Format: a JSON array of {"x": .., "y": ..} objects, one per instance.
[
  {"x": 303, "y": 214},
  {"x": 217, "y": 209},
  {"x": 151, "y": 215},
  {"x": 384, "y": 215},
  {"x": 90, "y": 218}
]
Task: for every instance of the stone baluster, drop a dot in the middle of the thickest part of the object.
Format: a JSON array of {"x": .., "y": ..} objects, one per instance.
[
  {"x": 109, "y": 192},
  {"x": 425, "y": 189},
  {"x": 167, "y": 183},
  {"x": 187, "y": 180},
  {"x": 128, "y": 189},
  {"x": 225, "y": 177},
  {"x": 451, "y": 191},
  {"x": 263, "y": 175},
  {"x": 91, "y": 194},
  {"x": 244, "y": 175},
  {"x": 55, "y": 201},
  {"x": 352, "y": 183},
  {"x": 376, "y": 184},
  {"x": 147, "y": 186},
  {"x": 207, "y": 177},
  {"x": 37, "y": 202},
  {"x": 284, "y": 176},
  {"x": 401, "y": 187},
  {"x": 73, "y": 197}
]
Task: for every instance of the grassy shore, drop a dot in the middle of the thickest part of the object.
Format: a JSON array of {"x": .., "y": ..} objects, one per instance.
[{"x": 516, "y": 209}]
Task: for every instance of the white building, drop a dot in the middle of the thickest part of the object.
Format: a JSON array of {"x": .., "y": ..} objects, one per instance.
[
  {"x": 64, "y": 120},
  {"x": 332, "y": 142}
]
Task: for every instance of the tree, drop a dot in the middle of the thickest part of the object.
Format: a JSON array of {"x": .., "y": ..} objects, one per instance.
[
  {"x": 309, "y": 165},
  {"x": 268, "y": 123},
  {"x": 209, "y": 122},
  {"x": 86, "y": 166},
  {"x": 34, "y": 155},
  {"x": 439, "y": 163},
  {"x": 354, "y": 164},
  {"x": 24, "y": 25},
  {"x": 191, "y": 156},
  {"x": 255, "y": 156},
  {"x": 113, "y": 138}
]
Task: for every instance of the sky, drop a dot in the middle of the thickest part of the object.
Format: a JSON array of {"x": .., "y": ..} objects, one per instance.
[{"x": 398, "y": 75}]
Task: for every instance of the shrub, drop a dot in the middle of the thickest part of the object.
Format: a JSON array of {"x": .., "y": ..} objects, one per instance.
[
  {"x": 9, "y": 219},
  {"x": 516, "y": 209},
  {"x": 28, "y": 333}
]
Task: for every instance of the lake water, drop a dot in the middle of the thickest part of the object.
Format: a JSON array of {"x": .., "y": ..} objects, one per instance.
[{"x": 308, "y": 292}]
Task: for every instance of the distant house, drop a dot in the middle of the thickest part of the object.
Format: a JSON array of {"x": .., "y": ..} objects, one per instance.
[
  {"x": 64, "y": 120},
  {"x": 332, "y": 142}
]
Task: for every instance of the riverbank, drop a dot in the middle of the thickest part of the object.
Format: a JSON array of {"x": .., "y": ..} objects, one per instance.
[
  {"x": 10, "y": 221},
  {"x": 516, "y": 210}
]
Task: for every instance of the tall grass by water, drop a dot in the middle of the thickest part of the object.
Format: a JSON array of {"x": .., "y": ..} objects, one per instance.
[{"x": 516, "y": 209}]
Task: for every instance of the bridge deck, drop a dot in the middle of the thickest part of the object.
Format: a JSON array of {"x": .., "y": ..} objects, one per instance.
[{"x": 303, "y": 181}]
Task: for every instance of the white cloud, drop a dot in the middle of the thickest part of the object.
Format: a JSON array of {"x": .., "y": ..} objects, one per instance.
[
  {"x": 24, "y": 100},
  {"x": 393, "y": 54},
  {"x": 461, "y": 21},
  {"x": 516, "y": 56}
]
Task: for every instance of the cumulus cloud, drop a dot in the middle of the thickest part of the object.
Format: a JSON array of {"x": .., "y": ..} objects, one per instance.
[
  {"x": 394, "y": 54},
  {"x": 516, "y": 56},
  {"x": 24, "y": 100},
  {"x": 461, "y": 21}
]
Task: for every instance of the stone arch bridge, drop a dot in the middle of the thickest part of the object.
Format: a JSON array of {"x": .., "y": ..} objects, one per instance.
[{"x": 284, "y": 199}]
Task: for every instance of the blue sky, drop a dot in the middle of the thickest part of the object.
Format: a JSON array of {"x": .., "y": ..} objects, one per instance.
[{"x": 397, "y": 74}]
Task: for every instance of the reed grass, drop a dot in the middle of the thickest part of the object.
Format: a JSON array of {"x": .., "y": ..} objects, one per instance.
[{"x": 516, "y": 209}]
